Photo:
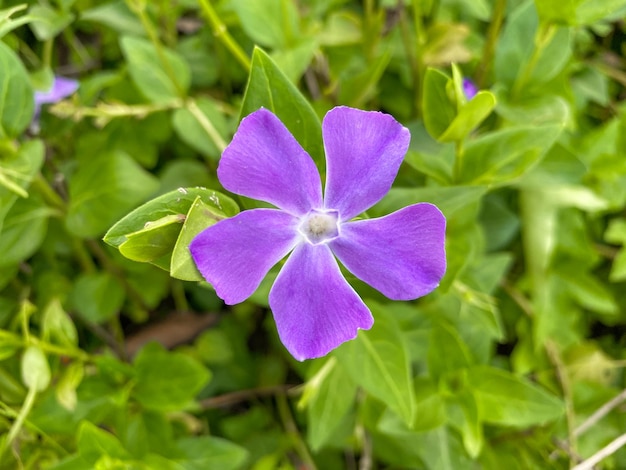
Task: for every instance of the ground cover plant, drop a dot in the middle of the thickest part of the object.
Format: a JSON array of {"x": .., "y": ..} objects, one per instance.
[{"x": 463, "y": 160}]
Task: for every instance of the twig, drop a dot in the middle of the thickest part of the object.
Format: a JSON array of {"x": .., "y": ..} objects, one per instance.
[
  {"x": 600, "y": 413},
  {"x": 603, "y": 453},
  {"x": 229, "y": 399}
]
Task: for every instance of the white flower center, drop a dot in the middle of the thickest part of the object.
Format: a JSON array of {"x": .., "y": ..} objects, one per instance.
[{"x": 319, "y": 226}]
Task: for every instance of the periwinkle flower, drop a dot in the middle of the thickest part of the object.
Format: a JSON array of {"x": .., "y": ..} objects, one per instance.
[
  {"x": 469, "y": 88},
  {"x": 61, "y": 88},
  {"x": 402, "y": 254}
]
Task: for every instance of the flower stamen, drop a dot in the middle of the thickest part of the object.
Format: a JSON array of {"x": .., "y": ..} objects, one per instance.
[{"x": 319, "y": 226}]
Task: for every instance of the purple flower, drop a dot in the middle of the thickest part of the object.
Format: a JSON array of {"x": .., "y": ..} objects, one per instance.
[
  {"x": 402, "y": 254},
  {"x": 61, "y": 88},
  {"x": 469, "y": 88}
]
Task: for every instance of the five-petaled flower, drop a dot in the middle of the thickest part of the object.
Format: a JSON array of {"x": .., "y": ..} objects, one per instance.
[{"x": 402, "y": 254}]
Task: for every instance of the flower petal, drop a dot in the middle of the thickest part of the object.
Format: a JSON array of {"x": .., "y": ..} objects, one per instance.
[
  {"x": 402, "y": 254},
  {"x": 364, "y": 150},
  {"x": 315, "y": 309},
  {"x": 235, "y": 254},
  {"x": 264, "y": 161},
  {"x": 61, "y": 88}
]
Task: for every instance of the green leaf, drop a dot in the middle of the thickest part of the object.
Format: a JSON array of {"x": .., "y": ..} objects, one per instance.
[
  {"x": 24, "y": 230},
  {"x": 9, "y": 344},
  {"x": 16, "y": 99},
  {"x": 268, "y": 87},
  {"x": 447, "y": 353},
  {"x": 48, "y": 22},
  {"x": 167, "y": 381},
  {"x": 104, "y": 188},
  {"x": 154, "y": 241},
  {"x": 506, "y": 154},
  {"x": 67, "y": 384},
  {"x": 204, "y": 452},
  {"x": 515, "y": 48},
  {"x": 507, "y": 400},
  {"x": 8, "y": 24},
  {"x": 329, "y": 402},
  {"x": 270, "y": 23},
  {"x": 199, "y": 217},
  {"x": 117, "y": 16},
  {"x": 97, "y": 297},
  {"x": 94, "y": 443},
  {"x": 35, "y": 369},
  {"x": 469, "y": 117},
  {"x": 193, "y": 134},
  {"x": 57, "y": 326},
  {"x": 437, "y": 104},
  {"x": 162, "y": 76},
  {"x": 176, "y": 203},
  {"x": 378, "y": 361},
  {"x": 579, "y": 12}
]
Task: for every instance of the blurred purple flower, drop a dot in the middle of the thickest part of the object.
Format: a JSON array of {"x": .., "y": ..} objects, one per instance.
[
  {"x": 402, "y": 254},
  {"x": 469, "y": 88},
  {"x": 61, "y": 88}
]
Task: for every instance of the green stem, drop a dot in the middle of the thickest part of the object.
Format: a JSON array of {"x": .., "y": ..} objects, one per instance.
[
  {"x": 420, "y": 41},
  {"x": 545, "y": 33},
  {"x": 206, "y": 125},
  {"x": 293, "y": 433},
  {"x": 50, "y": 196},
  {"x": 493, "y": 32},
  {"x": 221, "y": 33},
  {"x": 140, "y": 9},
  {"x": 58, "y": 350},
  {"x": 47, "y": 53},
  {"x": 459, "y": 153},
  {"x": 21, "y": 417}
]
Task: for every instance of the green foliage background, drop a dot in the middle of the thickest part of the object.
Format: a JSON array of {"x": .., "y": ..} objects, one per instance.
[{"x": 504, "y": 366}]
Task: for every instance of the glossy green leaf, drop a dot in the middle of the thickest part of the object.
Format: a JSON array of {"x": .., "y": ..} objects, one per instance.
[
  {"x": 508, "y": 400},
  {"x": 268, "y": 87},
  {"x": 378, "y": 361},
  {"x": 16, "y": 100},
  {"x": 35, "y": 369},
  {"x": 186, "y": 377},
  {"x": 175, "y": 203},
  {"x": 103, "y": 189},
  {"x": 154, "y": 241},
  {"x": 199, "y": 217},
  {"x": 161, "y": 76}
]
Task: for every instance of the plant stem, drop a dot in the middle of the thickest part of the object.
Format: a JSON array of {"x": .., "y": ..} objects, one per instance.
[
  {"x": 140, "y": 9},
  {"x": 221, "y": 33},
  {"x": 497, "y": 17},
  {"x": 206, "y": 125},
  {"x": 21, "y": 417},
  {"x": 293, "y": 433},
  {"x": 545, "y": 33}
]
